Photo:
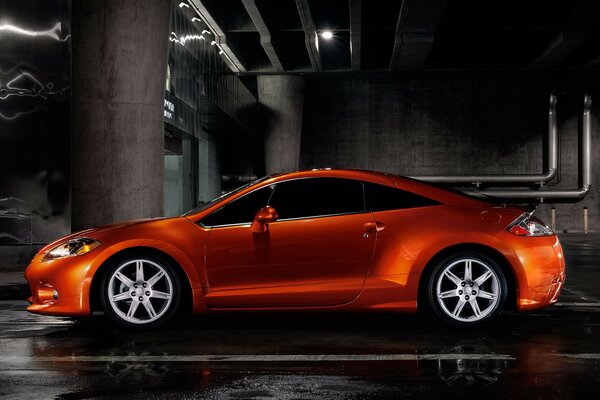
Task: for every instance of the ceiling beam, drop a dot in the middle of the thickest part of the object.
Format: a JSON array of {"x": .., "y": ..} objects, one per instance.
[
  {"x": 311, "y": 38},
  {"x": 558, "y": 49},
  {"x": 574, "y": 32},
  {"x": 265, "y": 34},
  {"x": 220, "y": 38},
  {"x": 355, "y": 33},
  {"x": 415, "y": 33}
]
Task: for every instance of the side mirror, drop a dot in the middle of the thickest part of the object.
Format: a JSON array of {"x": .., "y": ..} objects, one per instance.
[{"x": 263, "y": 217}]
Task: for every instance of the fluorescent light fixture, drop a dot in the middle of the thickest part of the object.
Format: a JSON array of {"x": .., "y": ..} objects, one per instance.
[
  {"x": 51, "y": 33},
  {"x": 183, "y": 39},
  {"x": 213, "y": 43},
  {"x": 327, "y": 35},
  {"x": 205, "y": 31},
  {"x": 183, "y": 4},
  {"x": 196, "y": 19}
]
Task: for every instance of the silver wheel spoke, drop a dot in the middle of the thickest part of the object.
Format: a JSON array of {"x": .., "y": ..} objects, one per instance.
[
  {"x": 152, "y": 281},
  {"x": 121, "y": 296},
  {"x": 459, "y": 307},
  {"x": 446, "y": 294},
  {"x": 160, "y": 295},
  {"x": 455, "y": 279},
  {"x": 150, "y": 309},
  {"x": 475, "y": 308},
  {"x": 486, "y": 295},
  {"x": 128, "y": 282},
  {"x": 132, "y": 308},
  {"x": 484, "y": 277},
  {"x": 468, "y": 270},
  {"x": 139, "y": 271}
]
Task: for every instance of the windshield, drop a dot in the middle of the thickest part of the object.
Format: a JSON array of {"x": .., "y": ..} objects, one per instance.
[{"x": 210, "y": 203}]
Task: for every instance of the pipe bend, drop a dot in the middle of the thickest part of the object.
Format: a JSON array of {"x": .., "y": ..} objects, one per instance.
[{"x": 549, "y": 175}]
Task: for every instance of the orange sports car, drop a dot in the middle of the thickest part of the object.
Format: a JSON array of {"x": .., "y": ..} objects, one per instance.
[{"x": 322, "y": 240}]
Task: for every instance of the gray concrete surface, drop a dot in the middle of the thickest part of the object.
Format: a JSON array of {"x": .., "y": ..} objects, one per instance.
[
  {"x": 119, "y": 70},
  {"x": 13, "y": 285},
  {"x": 551, "y": 353},
  {"x": 457, "y": 123},
  {"x": 282, "y": 103}
]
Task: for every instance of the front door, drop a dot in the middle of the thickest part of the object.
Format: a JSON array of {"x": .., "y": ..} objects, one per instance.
[{"x": 317, "y": 253}]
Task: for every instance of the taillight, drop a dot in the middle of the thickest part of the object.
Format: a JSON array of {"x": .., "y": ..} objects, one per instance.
[{"x": 527, "y": 225}]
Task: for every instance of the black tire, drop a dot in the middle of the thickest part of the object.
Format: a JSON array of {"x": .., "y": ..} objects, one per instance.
[
  {"x": 450, "y": 292},
  {"x": 146, "y": 291}
]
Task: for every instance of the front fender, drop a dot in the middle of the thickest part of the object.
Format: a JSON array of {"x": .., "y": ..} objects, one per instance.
[{"x": 188, "y": 267}]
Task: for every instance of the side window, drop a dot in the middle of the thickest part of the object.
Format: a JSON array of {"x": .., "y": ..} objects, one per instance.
[
  {"x": 241, "y": 210},
  {"x": 312, "y": 197},
  {"x": 381, "y": 198}
]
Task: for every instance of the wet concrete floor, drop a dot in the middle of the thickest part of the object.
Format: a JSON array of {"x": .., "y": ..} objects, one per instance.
[{"x": 552, "y": 353}]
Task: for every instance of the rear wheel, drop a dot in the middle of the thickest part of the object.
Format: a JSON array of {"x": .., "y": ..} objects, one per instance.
[
  {"x": 140, "y": 292},
  {"x": 467, "y": 289}
]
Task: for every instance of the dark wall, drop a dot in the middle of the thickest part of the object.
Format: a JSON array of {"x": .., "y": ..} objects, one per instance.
[
  {"x": 35, "y": 92},
  {"x": 451, "y": 123}
]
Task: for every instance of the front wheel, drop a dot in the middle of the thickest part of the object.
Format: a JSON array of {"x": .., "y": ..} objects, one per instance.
[
  {"x": 467, "y": 289},
  {"x": 140, "y": 292}
]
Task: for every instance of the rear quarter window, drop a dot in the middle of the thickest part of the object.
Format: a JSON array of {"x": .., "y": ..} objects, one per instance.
[{"x": 382, "y": 198}]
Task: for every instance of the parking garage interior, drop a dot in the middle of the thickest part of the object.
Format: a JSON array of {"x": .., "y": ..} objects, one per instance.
[{"x": 113, "y": 111}]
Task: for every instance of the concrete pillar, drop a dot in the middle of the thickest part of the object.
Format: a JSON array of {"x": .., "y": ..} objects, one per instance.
[
  {"x": 282, "y": 100},
  {"x": 117, "y": 146}
]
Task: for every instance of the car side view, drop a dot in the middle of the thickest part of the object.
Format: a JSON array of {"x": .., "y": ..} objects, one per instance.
[{"x": 319, "y": 240}]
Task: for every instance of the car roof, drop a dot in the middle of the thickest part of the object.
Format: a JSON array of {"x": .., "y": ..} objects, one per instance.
[{"x": 383, "y": 178}]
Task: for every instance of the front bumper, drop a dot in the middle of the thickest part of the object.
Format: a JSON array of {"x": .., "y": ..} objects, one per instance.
[{"x": 60, "y": 287}]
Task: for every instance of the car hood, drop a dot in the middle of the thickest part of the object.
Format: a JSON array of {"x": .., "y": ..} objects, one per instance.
[{"x": 94, "y": 232}]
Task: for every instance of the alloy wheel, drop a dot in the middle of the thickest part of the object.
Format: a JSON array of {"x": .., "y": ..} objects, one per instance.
[
  {"x": 468, "y": 290},
  {"x": 140, "y": 291}
]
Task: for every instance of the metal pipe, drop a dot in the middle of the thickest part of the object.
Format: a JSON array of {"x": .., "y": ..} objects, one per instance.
[
  {"x": 585, "y": 162},
  {"x": 586, "y": 141},
  {"x": 552, "y": 154}
]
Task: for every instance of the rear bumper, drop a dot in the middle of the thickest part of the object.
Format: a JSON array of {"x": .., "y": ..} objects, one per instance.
[{"x": 543, "y": 274}]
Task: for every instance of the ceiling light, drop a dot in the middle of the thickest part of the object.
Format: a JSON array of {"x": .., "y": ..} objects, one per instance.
[
  {"x": 195, "y": 19},
  {"x": 327, "y": 35},
  {"x": 183, "y": 4}
]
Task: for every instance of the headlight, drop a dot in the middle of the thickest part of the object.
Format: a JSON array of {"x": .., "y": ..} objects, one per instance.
[
  {"x": 526, "y": 225},
  {"x": 73, "y": 247}
]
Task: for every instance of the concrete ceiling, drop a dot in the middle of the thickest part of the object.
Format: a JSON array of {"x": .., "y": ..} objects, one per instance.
[{"x": 284, "y": 36}]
